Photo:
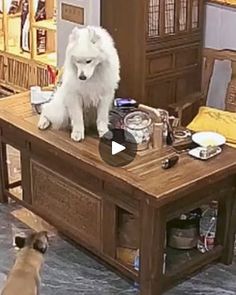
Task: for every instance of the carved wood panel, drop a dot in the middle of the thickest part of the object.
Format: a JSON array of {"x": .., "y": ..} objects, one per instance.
[{"x": 68, "y": 204}]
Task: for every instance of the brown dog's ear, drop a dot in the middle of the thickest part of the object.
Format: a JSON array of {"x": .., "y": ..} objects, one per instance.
[{"x": 19, "y": 242}]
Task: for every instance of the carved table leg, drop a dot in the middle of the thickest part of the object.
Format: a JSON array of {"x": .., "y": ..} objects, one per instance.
[
  {"x": 3, "y": 172},
  {"x": 226, "y": 225},
  {"x": 153, "y": 227},
  {"x": 25, "y": 173},
  {"x": 229, "y": 247}
]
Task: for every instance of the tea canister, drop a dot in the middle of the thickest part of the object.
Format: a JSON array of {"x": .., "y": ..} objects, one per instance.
[{"x": 138, "y": 127}]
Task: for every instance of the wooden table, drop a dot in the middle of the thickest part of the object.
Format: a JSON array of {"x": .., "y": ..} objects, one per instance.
[{"x": 69, "y": 185}]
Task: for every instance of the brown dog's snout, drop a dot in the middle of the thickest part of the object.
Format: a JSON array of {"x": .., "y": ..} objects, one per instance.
[{"x": 41, "y": 242}]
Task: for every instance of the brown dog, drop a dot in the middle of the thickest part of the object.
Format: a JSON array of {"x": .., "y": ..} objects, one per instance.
[{"x": 24, "y": 278}]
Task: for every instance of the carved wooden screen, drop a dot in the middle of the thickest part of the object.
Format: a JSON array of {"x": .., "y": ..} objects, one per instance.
[{"x": 172, "y": 17}]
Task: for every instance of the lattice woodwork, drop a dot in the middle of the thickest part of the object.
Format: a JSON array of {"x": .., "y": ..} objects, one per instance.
[{"x": 172, "y": 17}]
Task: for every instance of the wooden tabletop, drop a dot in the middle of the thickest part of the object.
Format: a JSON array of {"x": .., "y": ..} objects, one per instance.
[{"x": 144, "y": 173}]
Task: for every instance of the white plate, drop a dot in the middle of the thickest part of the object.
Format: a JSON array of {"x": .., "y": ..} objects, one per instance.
[{"x": 208, "y": 139}]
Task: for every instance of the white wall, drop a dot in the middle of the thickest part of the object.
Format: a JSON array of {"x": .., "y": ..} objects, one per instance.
[
  {"x": 220, "y": 33},
  {"x": 92, "y": 17}
]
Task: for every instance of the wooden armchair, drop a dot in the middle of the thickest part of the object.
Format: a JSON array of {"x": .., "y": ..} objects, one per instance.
[
  {"x": 187, "y": 108},
  {"x": 190, "y": 105},
  {"x": 210, "y": 56}
]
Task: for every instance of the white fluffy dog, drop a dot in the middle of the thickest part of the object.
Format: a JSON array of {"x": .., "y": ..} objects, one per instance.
[{"x": 90, "y": 78}]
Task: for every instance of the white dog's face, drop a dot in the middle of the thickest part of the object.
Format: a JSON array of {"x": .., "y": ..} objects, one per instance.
[
  {"x": 85, "y": 66},
  {"x": 84, "y": 53}
]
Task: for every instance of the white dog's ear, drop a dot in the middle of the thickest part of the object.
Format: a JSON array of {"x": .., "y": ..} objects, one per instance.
[
  {"x": 94, "y": 37},
  {"x": 74, "y": 35}
]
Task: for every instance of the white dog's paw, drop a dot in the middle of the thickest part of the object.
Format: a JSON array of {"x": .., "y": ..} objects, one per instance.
[
  {"x": 43, "y": 123},
  {"x": 103, "y": 130},
  {"x": 77, "y": 135},
  {"x": 107, "y": 134}
]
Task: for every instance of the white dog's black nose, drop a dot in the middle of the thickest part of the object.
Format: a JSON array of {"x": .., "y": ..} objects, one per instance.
[{"x": 82, "y": 77}]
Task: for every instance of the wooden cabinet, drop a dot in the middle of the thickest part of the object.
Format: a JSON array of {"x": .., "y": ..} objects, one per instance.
[{"x": 160, "y": 47}]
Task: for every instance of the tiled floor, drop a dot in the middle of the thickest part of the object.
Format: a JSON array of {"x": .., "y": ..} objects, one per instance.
[{"x": 68, "y": 271}]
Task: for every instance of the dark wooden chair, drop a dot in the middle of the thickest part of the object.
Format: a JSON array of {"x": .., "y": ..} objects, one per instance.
[{"x": 191, "y": 104}]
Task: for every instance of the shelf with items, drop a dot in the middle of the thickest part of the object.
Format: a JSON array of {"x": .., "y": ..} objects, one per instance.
[
  {"x": 1, "y": 36},
  {"x": 48, "y": 24},
  {"x": 13, "y": 49},
  {"x": 47, "y": 58},
  {"x": 12, "y": 22},
  {"x": 1, "y": 27},
  {"x": 43, "y": 32},
  {"x": 127, "y": 248},
  {"x": 27, "y": 42},
  {"x": 191, "y": 239}
]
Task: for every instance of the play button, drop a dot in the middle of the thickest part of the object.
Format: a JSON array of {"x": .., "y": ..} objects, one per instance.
[
  {"x": 116, "y": 148},
  {"x": 117, "y": 152}
]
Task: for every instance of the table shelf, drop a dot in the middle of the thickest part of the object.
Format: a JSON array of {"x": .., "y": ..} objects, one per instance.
[
  {"x": 47, "y": 58},
  {"x": 17, "y": 51},
  {"x": 183, "y": 260}
]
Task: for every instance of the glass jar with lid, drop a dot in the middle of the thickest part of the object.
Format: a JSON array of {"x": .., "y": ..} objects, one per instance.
[{"x": 138, "y": 125}]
